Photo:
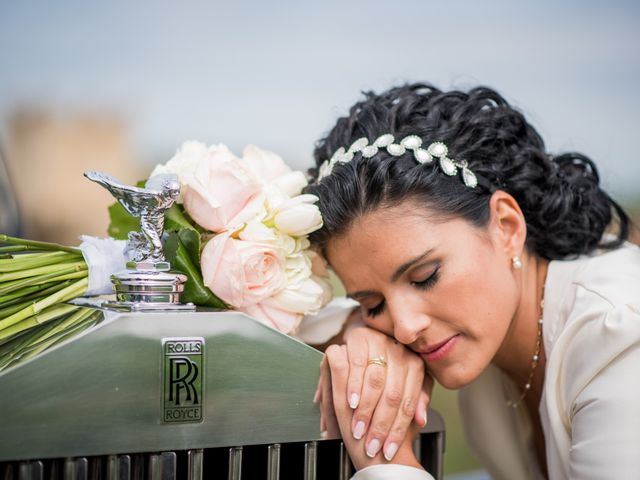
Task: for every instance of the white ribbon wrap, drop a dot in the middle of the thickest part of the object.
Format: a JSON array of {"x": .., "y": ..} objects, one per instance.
[{"x": 104, "y": 257}]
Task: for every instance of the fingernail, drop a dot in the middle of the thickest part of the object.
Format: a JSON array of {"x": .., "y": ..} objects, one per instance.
[
  {"x": 373, "y": 447},
  {"x": 424, "y": 416},
  {"x": 324, "y": 434},
  {"x": 353, "y": 401},
  {"x": 358, "y": 432},
  {"x": 390, "y": 450},
  {"x": 316, "y": 397}
]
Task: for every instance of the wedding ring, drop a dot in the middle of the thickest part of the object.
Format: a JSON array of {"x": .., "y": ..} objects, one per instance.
[{"x": 377, "y": 361}]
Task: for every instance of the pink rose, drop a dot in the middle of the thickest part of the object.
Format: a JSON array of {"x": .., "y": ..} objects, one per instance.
[
  {"x": 270, "y": 313},
  {"x": 242, "y": 273},
  {"x": 222, "y": 192}
]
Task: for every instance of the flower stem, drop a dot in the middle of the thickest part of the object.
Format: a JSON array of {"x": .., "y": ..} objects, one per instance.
[
  {"x": 51, "y": 313},
  {"x": 44, "y": 270},
  {"x": 35, "y": 244},
  {"x": 74, "y": 290},
  {"x": 69, "y": 272},
  {"x": 29, "y": 293},
  {"x": 28, "y": 262}
]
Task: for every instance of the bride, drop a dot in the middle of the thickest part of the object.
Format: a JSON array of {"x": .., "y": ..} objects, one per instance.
[{"x": 482, "y": 262}]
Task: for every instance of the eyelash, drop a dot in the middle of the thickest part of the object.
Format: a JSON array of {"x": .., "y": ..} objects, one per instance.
[{"x": 425, "y": 284}]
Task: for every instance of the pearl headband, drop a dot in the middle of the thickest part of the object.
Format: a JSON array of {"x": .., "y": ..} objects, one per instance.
[{"x": 411, "y": 143}]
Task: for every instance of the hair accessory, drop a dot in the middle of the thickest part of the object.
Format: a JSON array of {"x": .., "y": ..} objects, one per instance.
[
  {"x": 516, "y": 262},
  {"x": 377, "y": 361},
  {"x": 411, "y": 143}
]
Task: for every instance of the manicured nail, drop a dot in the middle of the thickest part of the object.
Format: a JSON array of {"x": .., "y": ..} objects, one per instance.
[
  {"x": 390, "y": 450},
  {"x": 424, "y": 416},
  {"x": 354, "y": 400},
  {"x": 358, "y": 432},
  {"x": 373, "y": 447},
  {"x": 324, "y": 434}
]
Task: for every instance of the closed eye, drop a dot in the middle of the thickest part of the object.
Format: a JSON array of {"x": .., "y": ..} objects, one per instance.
[
  {"x": 425, "y": 284},
  {"x": 428, "y": 282},
  {"x": 377, "y": 310}
]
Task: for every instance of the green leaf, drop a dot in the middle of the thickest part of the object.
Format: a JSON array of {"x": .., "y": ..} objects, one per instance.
[
  {"x": 121, "y": 222},
  {"x": 181, "y": 260},
  {"x": 191, "y": 241},
  {"x": 175, "y": 219}
]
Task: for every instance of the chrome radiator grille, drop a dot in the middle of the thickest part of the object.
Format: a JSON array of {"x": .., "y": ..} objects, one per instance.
[{"x": 93, "y": 408}]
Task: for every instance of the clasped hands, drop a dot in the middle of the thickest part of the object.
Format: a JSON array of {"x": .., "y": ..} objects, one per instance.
[{"x": 378, "y": 409}]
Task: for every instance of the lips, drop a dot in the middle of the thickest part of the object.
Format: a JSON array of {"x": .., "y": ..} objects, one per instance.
[{"x": 438, "y": 351}]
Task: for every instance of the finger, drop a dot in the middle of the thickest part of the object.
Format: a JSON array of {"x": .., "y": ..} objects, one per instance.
[
  {"x": 375, "y": 378},
  {"x": 340, "y": 414},
  {"x": 424, "y": 400},
  {"x": 405, "y": 412},
  {"x": 394, "y": 395},
  {"x": 326, "y": 400},
  {"x": 358, "y": 352}
]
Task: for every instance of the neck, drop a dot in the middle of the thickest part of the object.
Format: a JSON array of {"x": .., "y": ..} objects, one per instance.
[{"x": 515, "y": 354}]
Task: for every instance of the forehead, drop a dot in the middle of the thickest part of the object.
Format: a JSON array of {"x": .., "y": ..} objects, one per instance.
[{"x": 377, "y": 243}]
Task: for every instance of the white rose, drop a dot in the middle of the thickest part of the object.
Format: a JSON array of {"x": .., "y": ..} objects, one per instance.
[
  {"x": 297, "y": 268},
  {"x": 185, "y": 160},
  {"x": 298, "y": 216}
]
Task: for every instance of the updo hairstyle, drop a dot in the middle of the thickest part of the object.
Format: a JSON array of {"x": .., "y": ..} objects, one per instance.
[{"x": 565, "y": 209}]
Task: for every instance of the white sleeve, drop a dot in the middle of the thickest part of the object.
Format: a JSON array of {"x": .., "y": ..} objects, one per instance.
[
  {"x": 318, "y": 329},
  {"x": 595, "y": 425},
  {"x": 605, "y": 424},
  {"x": 391, "y": 472}
]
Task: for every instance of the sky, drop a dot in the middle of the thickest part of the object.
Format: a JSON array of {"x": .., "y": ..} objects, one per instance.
[{"x": 278, "y": 73}]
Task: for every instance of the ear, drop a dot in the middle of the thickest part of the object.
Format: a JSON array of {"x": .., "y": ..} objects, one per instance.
[{"x": 507, "y": 224}]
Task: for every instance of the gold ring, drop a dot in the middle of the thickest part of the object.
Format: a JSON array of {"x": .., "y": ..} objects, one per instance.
[{"x": 377, "y": 361}]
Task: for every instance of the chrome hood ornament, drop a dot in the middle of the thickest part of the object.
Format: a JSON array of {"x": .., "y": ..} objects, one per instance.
[{"x": 147, "y": 283}]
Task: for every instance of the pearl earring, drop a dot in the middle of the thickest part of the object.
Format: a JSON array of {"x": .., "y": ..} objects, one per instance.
[{"x": 516, "y": 262}]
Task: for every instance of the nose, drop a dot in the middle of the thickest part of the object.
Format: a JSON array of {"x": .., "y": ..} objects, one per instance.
[{"x": 409, "y": 322}]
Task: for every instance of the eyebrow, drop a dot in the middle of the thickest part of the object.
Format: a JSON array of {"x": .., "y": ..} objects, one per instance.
[{"x": 396, "y": 275}]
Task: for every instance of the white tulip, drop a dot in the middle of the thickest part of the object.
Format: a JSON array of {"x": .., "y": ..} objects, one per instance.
[
  {"x": 304, "y": 297},
  {"x": 291, "y": 184},
  {"x": 298, "y": 216}
]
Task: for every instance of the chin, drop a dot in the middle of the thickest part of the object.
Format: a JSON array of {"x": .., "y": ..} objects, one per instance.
[{"x": 454, "y": 380}]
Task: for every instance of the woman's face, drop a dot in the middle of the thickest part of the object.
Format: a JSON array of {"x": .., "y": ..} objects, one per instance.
[{"x": 443, "y": 287}]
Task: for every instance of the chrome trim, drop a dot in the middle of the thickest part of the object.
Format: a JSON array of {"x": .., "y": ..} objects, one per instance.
[
  {"x": 273, "y": 462},
  {"x": 30, "y": 470},
  {"x": 118, "y": 467},
  {"x": 196, "y": 461},
  {"x": 75, "y": 469},
  {"x": 162, "y": 466},
  {"x": 346, "y": 469},
  {"x": 235, "y": 463},
  {"x": 310, "y": 459}
]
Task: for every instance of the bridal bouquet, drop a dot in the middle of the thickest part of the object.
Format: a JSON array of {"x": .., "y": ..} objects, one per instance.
[{"x": 238, "y": 231}]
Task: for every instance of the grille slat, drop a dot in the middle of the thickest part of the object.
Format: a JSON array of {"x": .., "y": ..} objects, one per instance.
[
  {"x": 162, "y": 466},
  {"x": 273, "y": 462},
  {"x": 310, "y": 458},
  {"x": 118, "y": 467},
  {"x": 76, "y": 468},
  {"x": 345, "y": 463},
  {"x": 195, "y": 459},
  {"x": 235, "y": 463},
  {"x": 30, "y": 470}
]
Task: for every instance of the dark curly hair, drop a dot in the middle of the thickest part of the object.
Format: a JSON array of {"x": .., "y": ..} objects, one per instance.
[{"x": 565, "y": 209}]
